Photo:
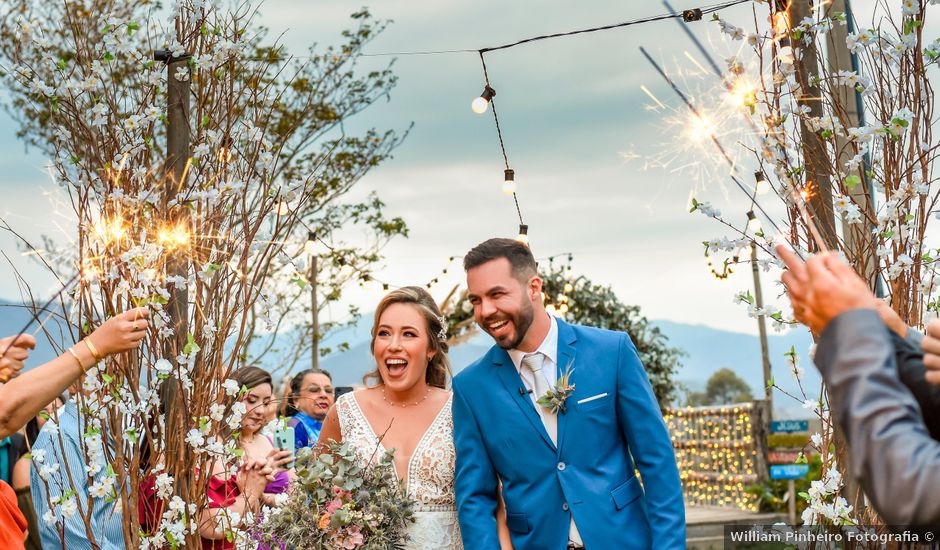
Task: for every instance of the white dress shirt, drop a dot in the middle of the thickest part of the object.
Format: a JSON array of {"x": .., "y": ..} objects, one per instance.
[{"x": 548, "y": 348}]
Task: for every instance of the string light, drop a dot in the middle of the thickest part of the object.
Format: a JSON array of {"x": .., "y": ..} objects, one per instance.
[
  {"x": 482, "y": 103},
  {"x": 523, "y": 234},
  {"x": 753, "y": 224},
  {"x": 509, "y": 181},
  {"x": 715, "y": 450},
  {"x": 762, "y": 187}
]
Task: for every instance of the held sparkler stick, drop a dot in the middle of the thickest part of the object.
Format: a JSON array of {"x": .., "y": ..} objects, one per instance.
[{"x": 35, "y": 316}]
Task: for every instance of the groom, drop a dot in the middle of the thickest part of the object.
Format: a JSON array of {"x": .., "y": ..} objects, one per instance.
[{"x": 567, "y": 475}]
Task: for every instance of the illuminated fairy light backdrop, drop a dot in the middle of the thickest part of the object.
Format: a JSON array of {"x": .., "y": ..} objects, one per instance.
[{"x": 717, "y": 450}]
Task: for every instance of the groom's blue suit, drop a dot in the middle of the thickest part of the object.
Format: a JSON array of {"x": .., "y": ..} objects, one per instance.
[{"x": 589, "y": 475}]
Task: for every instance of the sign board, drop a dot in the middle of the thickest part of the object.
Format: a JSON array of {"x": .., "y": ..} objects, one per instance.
[
  {"x": 789, "y": 426},
  {"x": 783, "y": 456},
  {"x": 789, "y": 471}
]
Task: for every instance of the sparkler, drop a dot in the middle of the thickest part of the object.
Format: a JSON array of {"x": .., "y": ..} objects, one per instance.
[{"x": 780, "y": 25}]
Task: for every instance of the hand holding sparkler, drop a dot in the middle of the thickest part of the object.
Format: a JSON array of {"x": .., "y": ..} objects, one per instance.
[
  {"x": 23, "y": 397},
  {"x": 119, "y": 334},
  {"x": 17, "y": 351},
  {"x": 823, "y": 288},
  {"x": 931, "y": 347}
]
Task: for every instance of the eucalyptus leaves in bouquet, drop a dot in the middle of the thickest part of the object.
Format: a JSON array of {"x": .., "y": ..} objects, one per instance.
[{"x": 338, "y": 503}]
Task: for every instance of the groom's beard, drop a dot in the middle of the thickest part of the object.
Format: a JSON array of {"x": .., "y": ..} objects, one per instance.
[{"x": 521, "y": 321}]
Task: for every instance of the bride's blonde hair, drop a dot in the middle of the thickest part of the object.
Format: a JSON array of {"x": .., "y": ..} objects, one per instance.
[{"x": 439, "y": 365}]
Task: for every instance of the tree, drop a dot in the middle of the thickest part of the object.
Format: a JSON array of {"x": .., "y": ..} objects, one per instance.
[
  {"x": 580, "y": 301},
  {"x": 724, "y": 387},
  {"x": 294, "y": 107},
  {"x": 270, "y": 161}
]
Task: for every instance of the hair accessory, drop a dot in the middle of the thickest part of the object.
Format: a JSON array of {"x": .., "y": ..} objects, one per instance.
[{"x": 442, "y": 335}]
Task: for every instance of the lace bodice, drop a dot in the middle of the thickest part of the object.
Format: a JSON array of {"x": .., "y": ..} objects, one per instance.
[{"x": 430, "y": 480}]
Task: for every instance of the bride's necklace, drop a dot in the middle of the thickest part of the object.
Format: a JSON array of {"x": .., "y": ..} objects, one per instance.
[{"x": 406, "y": 405}]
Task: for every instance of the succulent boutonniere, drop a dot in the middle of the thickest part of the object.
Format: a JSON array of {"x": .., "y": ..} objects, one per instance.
[{"x": 554, "y": 399}]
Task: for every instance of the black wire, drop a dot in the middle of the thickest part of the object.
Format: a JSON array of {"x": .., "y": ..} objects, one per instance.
[{"x": 671, "y": 15}]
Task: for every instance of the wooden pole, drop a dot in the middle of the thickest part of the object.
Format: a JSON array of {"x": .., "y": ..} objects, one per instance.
[
  {"x": 177, "y": 159},
  {"x": 815, "y": 159},
  {"x": 762, "y": 329}
]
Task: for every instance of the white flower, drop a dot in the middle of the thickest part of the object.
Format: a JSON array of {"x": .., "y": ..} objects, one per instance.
[
  {"x": 49, "y": 517},
  {"x": 182, "y": 73},
  {"x": 69, "y": 507},
  {"x": 39, "y": 456},
  {"x": 231, "y": 387},
  {"x": 817, "y": 440},
  {"x": 163, "y": 366},
  {"x": 238, "y": 411},
  {"x": 217, "y": 412},
  {"x": 164, "y": 485},
  {"x": 47, "y": 470},
  {"x": 910, "y": 7},
  {"x": 281, "y": 499},
  {"x": 101, "y": 489},
  {"x": 195, "y": 438}
]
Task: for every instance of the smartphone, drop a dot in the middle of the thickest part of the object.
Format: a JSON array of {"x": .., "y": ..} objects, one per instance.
[{"x": 284, "y": 439}]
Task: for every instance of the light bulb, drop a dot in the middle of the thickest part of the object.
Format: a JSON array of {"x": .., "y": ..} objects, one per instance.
[
  {"x": 283, "y": 208},
  {"x": 481, "y": 103},
  {"x": 509, "y": 182},
  {"x": 753, "y": 224},
  {"x": 523, "y": 234},
  {"x": 762, "y": 187},
  {"x": 568, "y": 288},
  {"x": 310, "y": 247}
]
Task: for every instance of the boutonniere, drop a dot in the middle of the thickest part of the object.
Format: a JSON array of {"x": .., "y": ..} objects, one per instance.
[{"x": 554, "y": 399}]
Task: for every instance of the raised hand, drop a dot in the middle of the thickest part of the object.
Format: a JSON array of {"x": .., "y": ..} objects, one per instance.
[
  {"x": 823, "y": 288},
  {"x": 120, "y": 333},
  {"x": 277, "y": 458},
  {"x": 13, "y": 354},
  {"x": 931, "y": 347}
]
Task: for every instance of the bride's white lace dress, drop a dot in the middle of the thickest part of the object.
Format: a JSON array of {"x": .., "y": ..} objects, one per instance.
[{"x": 430, "y": 480}]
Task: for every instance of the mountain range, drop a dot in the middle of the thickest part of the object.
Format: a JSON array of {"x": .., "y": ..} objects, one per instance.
[{"x": 707, "y": 349}]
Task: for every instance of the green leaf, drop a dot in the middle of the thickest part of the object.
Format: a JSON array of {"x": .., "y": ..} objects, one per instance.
[
  {"x": 212, "y": 268},
  {"x": 852, "y": 181},
  {"x": 191, "y": 345}
]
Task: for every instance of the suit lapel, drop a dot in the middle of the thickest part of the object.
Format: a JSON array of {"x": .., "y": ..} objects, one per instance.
[
  {"x": 566, "y": 357},
  {"x": 513, "y": 383}
]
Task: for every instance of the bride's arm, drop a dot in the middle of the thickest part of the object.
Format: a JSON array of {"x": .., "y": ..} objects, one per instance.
[
  {"x": 330, "y": 432},
  {"x": 502, "y": 528}
]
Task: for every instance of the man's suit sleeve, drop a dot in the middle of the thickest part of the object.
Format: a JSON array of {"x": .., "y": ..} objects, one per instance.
[
  {"x": 475, "y": 481},
  {"x": 911, "y": 370},
  {"x": 893, "y": 456},
  {"x": 642, "y": 424}
]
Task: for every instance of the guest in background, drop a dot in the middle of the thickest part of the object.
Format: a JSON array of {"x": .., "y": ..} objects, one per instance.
[
  {"x": 312, "y": 396},
  {"x": 263, "y": 475},
  {"x": 21, "y": 473},
  {"x": 60, "y": 453}
]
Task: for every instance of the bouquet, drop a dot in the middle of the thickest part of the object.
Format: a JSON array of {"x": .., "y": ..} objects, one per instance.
[{"x": 337, "y": 503}]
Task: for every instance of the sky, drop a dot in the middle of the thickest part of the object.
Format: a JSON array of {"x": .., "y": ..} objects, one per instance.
[{"x": 578, "y": 134}]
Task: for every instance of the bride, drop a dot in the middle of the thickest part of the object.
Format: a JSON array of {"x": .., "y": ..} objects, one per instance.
[{"x": 406, "y": 407}]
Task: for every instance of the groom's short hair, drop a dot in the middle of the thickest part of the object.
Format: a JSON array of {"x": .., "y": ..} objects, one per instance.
[{"x": 519, "y": 255}]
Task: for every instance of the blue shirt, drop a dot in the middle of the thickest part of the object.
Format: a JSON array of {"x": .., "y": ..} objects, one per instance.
[
  {"x": 105, "y": 518},
  {"x": 306, "y": 430}
]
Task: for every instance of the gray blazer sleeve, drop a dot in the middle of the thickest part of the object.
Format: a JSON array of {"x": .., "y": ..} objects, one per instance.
[
  {"x": 893, "y": 456},
  {"x": 914, "y": 337}
]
